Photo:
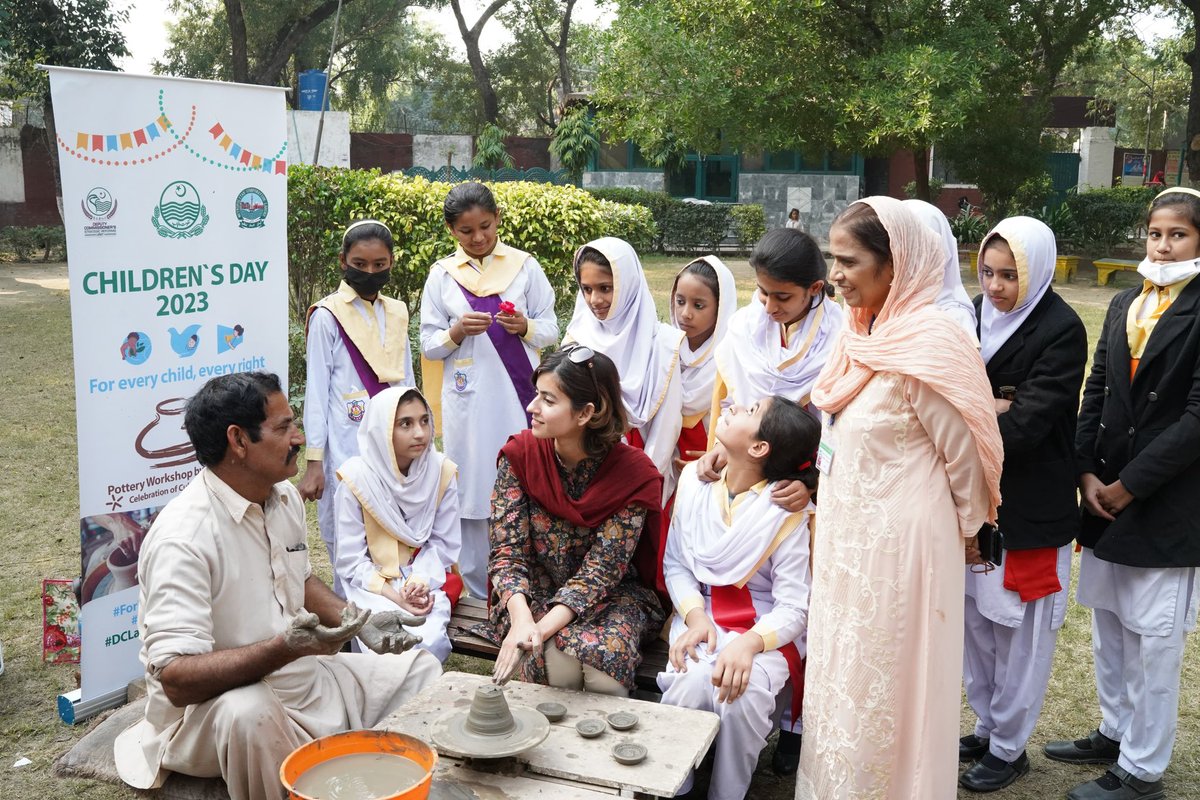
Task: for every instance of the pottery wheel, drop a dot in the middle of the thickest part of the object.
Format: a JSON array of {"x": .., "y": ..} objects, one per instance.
[{"x": 452, "y": 737}]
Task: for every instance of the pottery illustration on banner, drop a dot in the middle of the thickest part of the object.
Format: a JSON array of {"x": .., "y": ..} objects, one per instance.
[{"x": 168, "y": 440}]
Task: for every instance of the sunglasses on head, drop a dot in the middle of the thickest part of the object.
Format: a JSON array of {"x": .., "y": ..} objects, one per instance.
[{"x": 582, "y": 355}]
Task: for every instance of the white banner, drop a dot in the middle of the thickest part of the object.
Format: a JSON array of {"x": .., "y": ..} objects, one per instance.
[{"x": 175, "y": 206}]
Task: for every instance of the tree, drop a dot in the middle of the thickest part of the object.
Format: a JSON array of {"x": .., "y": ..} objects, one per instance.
[
  {"x": 534, "y": 72},
  {"x": 65, "y": 33},
  {"x": 479, "y": 70},
  {"x": 1192, "y": 58}
]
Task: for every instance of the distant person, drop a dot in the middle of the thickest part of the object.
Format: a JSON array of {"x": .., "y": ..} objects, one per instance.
[
  {"x": 793, "y": 220},
  {"x": 1157, "y": 180}
]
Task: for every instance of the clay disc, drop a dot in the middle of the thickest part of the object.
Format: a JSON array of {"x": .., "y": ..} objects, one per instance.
[
  {"x": 552, "y": 711},
  {"x": 452, "y": 737},
  {"x": 622, "y": 720},
  {"x": 629, "y": 753},
  {"x": 589, "y": 728}
]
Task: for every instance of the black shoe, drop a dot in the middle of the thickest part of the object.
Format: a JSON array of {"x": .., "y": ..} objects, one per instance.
[
  {"x": 1117, "y": 784},
  {"x": 971, "y": 748},
  {"x": 1095, "y": 749},
  {"x": 786, "y": 759},
  {"x": 991, "y": 773}
]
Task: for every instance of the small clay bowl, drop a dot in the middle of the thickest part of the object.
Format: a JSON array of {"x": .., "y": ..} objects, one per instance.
[
  {"x": 629, "y": 753},
  {"x": 589, "y": 728},
  {"x": 622, "y": 720},
  {"x": 552, "y": 711}
]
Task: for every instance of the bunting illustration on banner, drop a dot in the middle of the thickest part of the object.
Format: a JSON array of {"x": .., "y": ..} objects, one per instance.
[
  {"x": 123, "y": 141},
  {"x": 243, "y": 156},
  {"x": 88, "y": 144}
]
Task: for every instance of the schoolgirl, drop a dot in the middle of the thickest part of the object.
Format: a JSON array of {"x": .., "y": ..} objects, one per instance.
[
  {"x": 953, "y": 298},
  {"x": 397, "y": 518},
  {"x": 1035, "y": 347},
  {"x": 737, "y": 570},
  {"x": 703, "y": 299},
  {"x": 357, "y": 346},
  {"x": 1138, "y": 478},
  {"x": 486, "y": 312},
  {"x": 615, "y": 315}
]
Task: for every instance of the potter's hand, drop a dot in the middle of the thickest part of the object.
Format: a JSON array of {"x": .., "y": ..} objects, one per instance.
[
  {"x": 306, "y": 636},
  {"x": 384, "y": 632}
]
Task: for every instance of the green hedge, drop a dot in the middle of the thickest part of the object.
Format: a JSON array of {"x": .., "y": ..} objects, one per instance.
[
  {"x": 687, "y": 227},
  {"x": 1106, "y": 218},
  {"x": 548, "y": 221},
  {"x": 48, "y": 241}
]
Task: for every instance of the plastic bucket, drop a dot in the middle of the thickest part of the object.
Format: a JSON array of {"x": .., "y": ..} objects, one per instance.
[{"x": 320, "y": 750}]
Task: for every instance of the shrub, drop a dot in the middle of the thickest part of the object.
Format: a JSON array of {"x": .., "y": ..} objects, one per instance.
[
  {"x": 936, "y": 185},
  {"x": 968, "y": 228},
  {"x": 659, "y": 203},
  {"x": 490, "y": 152},
  {"x": 696, "y": 226},
  {"x": 1060, "y": 220},
  {"x": 575, "y": 141},
  {"x": 49, "y": 241},
  {"x": 749, "y": 223},
  {"x": 548, "y": 221},
  {"x": 1109, "y": 217},
  {"x": 634, "y": 224}
]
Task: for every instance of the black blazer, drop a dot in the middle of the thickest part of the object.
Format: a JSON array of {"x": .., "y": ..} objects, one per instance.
[
  {"x": 1044, "y": 359},
  {"x": 1147, "y": 433}
]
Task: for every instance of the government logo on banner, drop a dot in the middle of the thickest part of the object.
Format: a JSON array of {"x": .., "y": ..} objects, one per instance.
[{"x": 179, "y": 213}]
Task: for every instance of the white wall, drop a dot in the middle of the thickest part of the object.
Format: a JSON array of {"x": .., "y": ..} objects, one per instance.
[
  {"x": 12, "y": 175},
  {"x": 1096, "y": 148},
  {"x": 434, "y": 151},
  {"x": 335, "y": 138}
]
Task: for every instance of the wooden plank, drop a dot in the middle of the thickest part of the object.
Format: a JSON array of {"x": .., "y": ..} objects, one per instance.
[{"x": 677, "y": 738}]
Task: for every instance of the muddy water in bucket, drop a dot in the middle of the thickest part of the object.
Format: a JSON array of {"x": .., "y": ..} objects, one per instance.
[{"x": 360, "y": 776}]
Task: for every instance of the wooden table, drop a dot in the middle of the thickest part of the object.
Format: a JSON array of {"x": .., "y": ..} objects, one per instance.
[{"x": 566, "y": 764}]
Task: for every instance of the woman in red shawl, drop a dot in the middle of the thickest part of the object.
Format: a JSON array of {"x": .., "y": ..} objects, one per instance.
[{"x": 572, "y": 595}]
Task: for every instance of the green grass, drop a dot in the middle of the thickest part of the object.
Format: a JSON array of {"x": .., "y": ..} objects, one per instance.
[{"x": 41, "y": 534}]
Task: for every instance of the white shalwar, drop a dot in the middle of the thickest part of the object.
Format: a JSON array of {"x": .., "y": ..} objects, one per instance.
[
  {"x": 334, "y": 396},
  {"x": 1008, "y": 654},
  {"x": 747, "y": 542},
  {"x": 480, "y": 407},
  {"x": 219, "y": 572},
  {"x": 1140, "y": 620}
]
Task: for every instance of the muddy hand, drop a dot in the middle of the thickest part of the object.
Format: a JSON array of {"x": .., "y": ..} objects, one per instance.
[
  {"x": 307, "y": 633},
  {"x": 384, "y": 631}
]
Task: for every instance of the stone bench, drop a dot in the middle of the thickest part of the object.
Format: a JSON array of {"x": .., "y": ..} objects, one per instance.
[{"x": 1105, "y": 267}]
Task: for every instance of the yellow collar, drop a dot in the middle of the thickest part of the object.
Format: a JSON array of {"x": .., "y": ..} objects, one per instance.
[{"x": 499, "y": 269}]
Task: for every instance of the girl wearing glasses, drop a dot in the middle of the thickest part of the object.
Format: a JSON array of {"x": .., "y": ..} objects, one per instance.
[
  {"x": 737, "y": 569},
  {"x": 1035, "y": 347},
  {"x": 486, "y": 312},
  {"x": 615, "y": 315},
  {"x": 569, "y": 607}
]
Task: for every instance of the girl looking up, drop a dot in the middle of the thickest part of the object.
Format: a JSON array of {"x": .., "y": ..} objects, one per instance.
[
  {"x": 357, "y": 344},
  {"x": 1138, "y": 478},
  {"x": 486, "y": 312},
  {"x": 737, "y": 571}
]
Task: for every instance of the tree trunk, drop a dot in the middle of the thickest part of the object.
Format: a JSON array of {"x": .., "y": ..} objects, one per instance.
[
  {"x": 1192, "y": 58},
  {"x": 237, "y": 36},
  {"x": 564, "y": 64},
  {"x": 920, "y": 156},
  {"x": 479, "y": 70},
  {"x": 52, "y": 150}
]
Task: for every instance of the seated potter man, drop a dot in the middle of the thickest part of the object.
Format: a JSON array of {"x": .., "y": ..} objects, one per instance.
[{"x": 239, "y": 638}]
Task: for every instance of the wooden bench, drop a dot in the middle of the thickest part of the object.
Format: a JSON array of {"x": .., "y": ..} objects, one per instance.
[
  {"x": 470, "y": 612},
  {"x": 1105, "y": 267}
]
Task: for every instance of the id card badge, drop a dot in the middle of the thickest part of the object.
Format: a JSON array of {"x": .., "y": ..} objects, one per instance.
[{"x": 825, "y": 448}]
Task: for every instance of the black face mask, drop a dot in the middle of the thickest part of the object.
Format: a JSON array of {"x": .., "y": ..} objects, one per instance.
[{"x": 366, "y": 284}]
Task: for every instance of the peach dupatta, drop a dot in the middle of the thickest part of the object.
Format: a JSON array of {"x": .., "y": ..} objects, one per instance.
[{"x": 912, "y": 337}]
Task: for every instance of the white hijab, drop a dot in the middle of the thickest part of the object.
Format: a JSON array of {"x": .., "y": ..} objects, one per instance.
[
  {"x": 645, "y": 351},
  {"x": 405, "y": 505},
  {"x": 755, "y": 364},
  {"x": 953, "y": 297},
  {"x": 720, "y": 553},
  {"x": 1034, "y": 250},
  {"x": 698, "y": 370}
]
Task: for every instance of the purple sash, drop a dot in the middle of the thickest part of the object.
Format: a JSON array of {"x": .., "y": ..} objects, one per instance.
[
  {"x": 370, "y": 380},
  {"x": 508, "y": 346}
]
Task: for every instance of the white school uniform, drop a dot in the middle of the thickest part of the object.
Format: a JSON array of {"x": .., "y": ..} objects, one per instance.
[
  {"x": 384, "y": 515},
  {"x": 751, "y": 542},
  {"x": 335, "y": 399},
  {"x": 1140, "y": 621},
  {"x": 480, "y": 408},
  {"x": 644, "y": 350},
  {"x": 1008, "y": 655}
]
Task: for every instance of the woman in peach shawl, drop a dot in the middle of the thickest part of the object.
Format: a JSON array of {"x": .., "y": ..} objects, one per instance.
[{"x": 910, "y": 461}]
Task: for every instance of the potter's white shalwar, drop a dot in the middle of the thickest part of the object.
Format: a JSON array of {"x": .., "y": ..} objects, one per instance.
[
  {"x": 480, "y": 408},
  {"x": 747, "y": 541},
  {"x": 1140, "y": 621},
  {"x": 210, "y": 558},
  {"x": 394, "y": 528},
  {"x": 335, "y": 399}
]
